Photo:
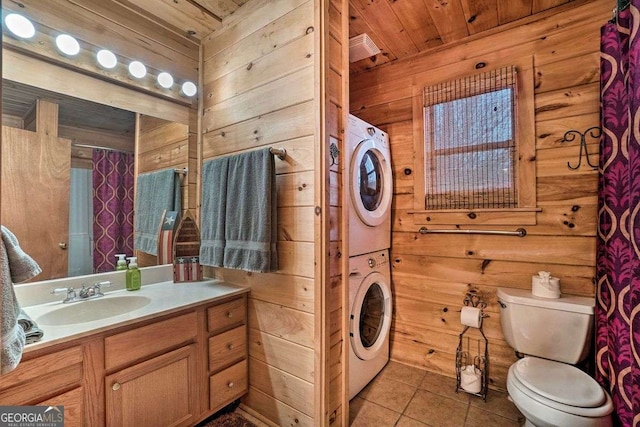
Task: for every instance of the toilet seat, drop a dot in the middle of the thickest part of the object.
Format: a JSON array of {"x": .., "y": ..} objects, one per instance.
[{"x": 560, "y": 386}]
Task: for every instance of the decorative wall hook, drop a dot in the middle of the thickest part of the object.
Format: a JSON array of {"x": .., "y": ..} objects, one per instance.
[
  {"x": 594, "y": 132},
  {"x": 334, "y": 151}
]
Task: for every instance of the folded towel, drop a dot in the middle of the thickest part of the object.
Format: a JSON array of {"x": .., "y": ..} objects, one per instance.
[
  {"x": 31, "y": 330},
  {"x": 155, "y": 192},
  {"x": 21, "y": 265},
  {"x": 214, "y": 206},
  {"x": 243, "y": 205},
  {"x": 11, "y": 334}
]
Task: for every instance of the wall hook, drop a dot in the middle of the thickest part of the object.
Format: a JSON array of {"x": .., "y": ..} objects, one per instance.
[
  {"x": 594, "y": 132},
  {"x": 334, "y": 151}
]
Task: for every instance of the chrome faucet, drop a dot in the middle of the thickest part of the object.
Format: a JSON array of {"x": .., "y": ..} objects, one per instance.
[{"x": 83, "y": 294}]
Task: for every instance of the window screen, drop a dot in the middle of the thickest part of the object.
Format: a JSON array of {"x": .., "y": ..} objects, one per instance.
[{"x": 470, "y": 148}]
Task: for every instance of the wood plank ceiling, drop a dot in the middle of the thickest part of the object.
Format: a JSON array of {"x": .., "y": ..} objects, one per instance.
[{"x": 401, "y": 28}]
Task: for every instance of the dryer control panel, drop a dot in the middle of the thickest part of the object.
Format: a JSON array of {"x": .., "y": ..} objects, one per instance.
[{"x": 377, "y": 260}]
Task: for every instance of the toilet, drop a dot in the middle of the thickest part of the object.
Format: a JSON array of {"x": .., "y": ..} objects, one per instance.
[{"x": 553, "y": 334}]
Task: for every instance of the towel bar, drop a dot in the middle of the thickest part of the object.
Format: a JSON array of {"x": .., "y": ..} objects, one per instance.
[
  {"x": 182, "y": 171},
  {"x": 520, "y": 232},
  {"x": 280, "y": 153}
]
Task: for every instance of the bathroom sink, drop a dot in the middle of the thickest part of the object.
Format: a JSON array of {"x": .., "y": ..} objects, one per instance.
[{"x": 96, "y": 309}]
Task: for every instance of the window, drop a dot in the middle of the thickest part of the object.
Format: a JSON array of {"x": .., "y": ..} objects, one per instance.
[
  {"x": 475, "y": 147},
  {"x": 470, "y": 149}
]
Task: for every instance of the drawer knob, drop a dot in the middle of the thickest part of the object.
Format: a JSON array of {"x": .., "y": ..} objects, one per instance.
[
  {"x": 229, "y": 314},
  {"x": 230, "y": 384},
  {"x": 229, "y": 346},
  {"x": 115, "y": 386}
]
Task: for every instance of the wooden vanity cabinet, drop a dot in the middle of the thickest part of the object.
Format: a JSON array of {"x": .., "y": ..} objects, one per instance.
[
  {"x": 156, "y": 373},
  {"x": 53, "y": 379},
  {"x": 153, "y": 391},
  {"x": 227, "y": 352},
  {"x": 174, "y": 371}
]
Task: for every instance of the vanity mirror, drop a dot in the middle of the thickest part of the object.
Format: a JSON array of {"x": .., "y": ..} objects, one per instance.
[{"x": 51, "y": 142}]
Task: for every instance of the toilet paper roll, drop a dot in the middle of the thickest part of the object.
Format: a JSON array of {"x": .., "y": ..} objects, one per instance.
[
  {"x": 550, "y": 289},
  {"x": 471, "y": 316},
  {"x": 471, "y": 379}
]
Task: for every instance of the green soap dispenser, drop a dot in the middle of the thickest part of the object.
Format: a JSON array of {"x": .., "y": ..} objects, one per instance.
[
  {"x": 121, "y": 264},
  {"x": 134, "y": 281}
]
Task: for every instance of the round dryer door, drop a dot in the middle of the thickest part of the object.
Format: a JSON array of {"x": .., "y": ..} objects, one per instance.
[
  {"x": 371, "y": 316},
  {"x": 371, "y": 184}
]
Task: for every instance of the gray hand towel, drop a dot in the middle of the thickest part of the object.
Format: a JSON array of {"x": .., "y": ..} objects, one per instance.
[
  {"x": 31, "y": 330},
  {"x": 239, "y": 209},
  {"x": 250, "y": 220},
  {"x": 12, "y": 337},
  {"x": 21, "y": 266},
  {"x": 214, "y": 206},
  {"x": 155, "y": 192}
]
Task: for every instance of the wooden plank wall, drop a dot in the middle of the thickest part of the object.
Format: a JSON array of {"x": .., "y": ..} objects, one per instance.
[
  {"x": 161, "y": 144},
  {"x": 431, "y": 273},
  {"x": 258, "y": 77},
  {"x": 337, "y": 84}
]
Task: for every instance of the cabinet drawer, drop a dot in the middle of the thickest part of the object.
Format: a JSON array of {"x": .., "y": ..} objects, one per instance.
[
  {"x": 128, "y": 347},
  {"x": 225, "y": 315},
  {"x": 228, "y": 347},
  {"x": 42, "y": 376},
  {"x": 227, "y": 385}
]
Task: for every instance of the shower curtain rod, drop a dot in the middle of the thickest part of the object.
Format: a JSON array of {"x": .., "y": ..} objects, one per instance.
[{"x": 96, "y": 147}]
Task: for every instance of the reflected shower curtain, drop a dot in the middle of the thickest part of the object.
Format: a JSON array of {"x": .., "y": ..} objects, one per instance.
[
  {"x": 618, "y": 253},
  {"x": 112, "y": 207}
]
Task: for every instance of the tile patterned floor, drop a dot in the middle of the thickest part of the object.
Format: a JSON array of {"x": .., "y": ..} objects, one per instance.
[{"x": 404, "y": 396}]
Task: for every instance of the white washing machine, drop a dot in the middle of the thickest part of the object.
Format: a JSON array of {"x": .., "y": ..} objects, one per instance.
[
  {"x": 370, "y": 188},
  {"x": 369, "y": 317}
]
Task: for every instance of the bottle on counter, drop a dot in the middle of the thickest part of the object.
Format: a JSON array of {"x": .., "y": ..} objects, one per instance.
[
  {"x": 133, "y": 279},
  {"x": 122, "y": 263}
]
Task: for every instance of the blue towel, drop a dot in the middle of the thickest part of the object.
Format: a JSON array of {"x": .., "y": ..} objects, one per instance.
[
  {"x": 214, "y": 206},
  {"x": 244, "y": 206},
  {"x": 155, "y": 192}
]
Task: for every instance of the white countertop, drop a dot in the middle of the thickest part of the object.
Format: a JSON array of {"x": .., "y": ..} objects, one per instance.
[{"x": 164, "y": 298}]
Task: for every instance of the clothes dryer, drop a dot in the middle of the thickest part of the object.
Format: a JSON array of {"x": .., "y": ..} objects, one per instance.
[
  {"x": 370, "y": 188},
  {"x": 370, "y": 304}
]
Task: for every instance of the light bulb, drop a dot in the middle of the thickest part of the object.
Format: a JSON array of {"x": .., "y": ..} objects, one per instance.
[
  {"x": 107, "y": 59},
  {"x": 19, "y": 26},
  {"x": 165, "y": 80},
  {"x": 67, "y": 44},
  {"x": 189, "y": 89},
  {"x": 137, "y": 69}
]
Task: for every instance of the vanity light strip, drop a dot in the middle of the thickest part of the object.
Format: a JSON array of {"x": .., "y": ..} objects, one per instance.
[{"x": 169, "y": 87}]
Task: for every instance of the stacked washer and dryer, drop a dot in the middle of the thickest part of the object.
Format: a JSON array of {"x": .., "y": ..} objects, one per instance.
[{"x": 370, "y": 188}]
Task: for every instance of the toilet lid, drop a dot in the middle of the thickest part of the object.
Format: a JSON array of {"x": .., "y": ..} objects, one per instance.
[{"x": 559, "y": 382}]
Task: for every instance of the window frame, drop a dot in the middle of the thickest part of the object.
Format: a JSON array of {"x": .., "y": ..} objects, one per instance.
[{"x": 525, "y": 167}]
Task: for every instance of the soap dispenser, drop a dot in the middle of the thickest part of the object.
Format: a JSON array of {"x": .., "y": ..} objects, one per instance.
[
  {"x": 133, "y": 278},
  {"x": 121, "y": 264}
]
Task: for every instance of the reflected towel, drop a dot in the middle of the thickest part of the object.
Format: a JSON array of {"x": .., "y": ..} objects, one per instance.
[
  {"x": 155, "y": 192},
  {"x": 214, "y": 206},
  {"x": 31, "y": 330}
]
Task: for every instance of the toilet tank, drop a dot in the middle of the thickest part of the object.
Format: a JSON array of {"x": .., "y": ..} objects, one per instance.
[{"x": 557, "y": 329}]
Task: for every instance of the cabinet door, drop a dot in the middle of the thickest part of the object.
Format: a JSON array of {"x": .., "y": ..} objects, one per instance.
[
  {"x": 73, "y": 407},
  {"x": 156, "y": 393}
]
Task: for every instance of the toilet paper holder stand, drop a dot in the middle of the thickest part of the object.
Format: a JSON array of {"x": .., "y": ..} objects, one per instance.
[{"x": 464, "y": 358}]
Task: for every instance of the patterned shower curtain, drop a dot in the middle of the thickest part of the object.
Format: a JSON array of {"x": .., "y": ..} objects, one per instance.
[
  {"x": 618, "y": 253},
  {"x": 112, "y": 208}
]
